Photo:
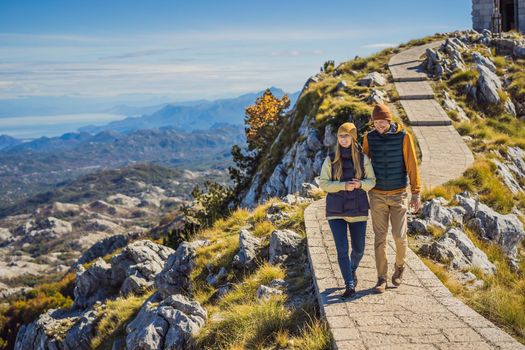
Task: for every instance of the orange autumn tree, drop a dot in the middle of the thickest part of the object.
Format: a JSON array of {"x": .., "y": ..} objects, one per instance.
[{"x": 263, "y": 119}]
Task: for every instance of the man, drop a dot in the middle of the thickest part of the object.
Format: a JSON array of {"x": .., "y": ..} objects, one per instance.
[{"x": 393, "y": 156}]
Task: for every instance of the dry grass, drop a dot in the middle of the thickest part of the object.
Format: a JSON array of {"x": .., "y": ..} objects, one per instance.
[{"x": 114, "y": 317}]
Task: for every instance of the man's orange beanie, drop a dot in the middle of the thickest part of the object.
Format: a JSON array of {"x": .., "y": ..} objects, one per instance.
[{"x": 382, "y": 112}]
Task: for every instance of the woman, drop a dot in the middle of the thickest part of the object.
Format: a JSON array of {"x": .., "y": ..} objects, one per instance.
[{"x": 346, "y": 176}]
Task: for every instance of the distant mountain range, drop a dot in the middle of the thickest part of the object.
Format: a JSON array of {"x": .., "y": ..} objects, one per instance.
[
  {"x": 39, "y": 165},
  {"x": 189, "y": 116},
  {"x": 196, "y": 135},
  {"x": 8, "y": 141}
]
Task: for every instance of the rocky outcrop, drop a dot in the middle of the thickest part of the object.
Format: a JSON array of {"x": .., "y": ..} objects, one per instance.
[
  {"x": 512, "y": 168},
  {"x": 169, "y": 325},
  {"x": 106, "y": 246},
  {"x": 284, "y": 244},
  {"x": 451, "y": 105},
  {"x": 489, "y": 89},
  {"x": 484, "y": 61},
  {"x": 249, "y": 249},
  {"x": 266, "y": 292},
  {"x": 133, "y": 270},
  {"x": 214, "y": 279},
  {"x": 143, "y": 258},
  {"x": 435, "y": 211},
  {"x": 175, "y": 276},
  {"x": 300, "y": 164},
  {"x": 446, "y": 59},
  {"x": 457, "y": 250},
  {"x": 58, "y": 329},
  {"x": 94, "y": 284},
  {"x": 373, "y": 79},
  {"x": 505, "y": 230},
  {"x": 377, "y": 97}
]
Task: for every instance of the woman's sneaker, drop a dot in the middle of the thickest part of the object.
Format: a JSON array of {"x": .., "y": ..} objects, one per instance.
[
  {"x": 354, "y": 277},
  {"x": 349, "y": 292}
]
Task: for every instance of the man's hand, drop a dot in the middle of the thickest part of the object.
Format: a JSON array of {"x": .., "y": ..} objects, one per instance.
[{"x": 415, "y": 203}]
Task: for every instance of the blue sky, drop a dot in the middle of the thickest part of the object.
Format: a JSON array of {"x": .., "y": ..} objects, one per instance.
[{"x": 188, "y": 50}]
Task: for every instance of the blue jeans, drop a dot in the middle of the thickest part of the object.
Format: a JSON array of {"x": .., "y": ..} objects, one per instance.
[{"x": 348, "y": 263}]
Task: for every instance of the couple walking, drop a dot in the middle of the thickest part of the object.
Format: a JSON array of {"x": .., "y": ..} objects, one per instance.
[{"x": 381, "y": 168}]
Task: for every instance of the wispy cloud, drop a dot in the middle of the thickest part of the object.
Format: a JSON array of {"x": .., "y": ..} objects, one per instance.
[
  {"x": 295, "y": 53},
  {"x": 379, "y": 45},
  {"x": 143, "y": 53},
  {"x": 53, "y": 38}
]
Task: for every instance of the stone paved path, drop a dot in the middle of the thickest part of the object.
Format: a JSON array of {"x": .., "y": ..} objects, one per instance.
[
  {"x": 420, "y": 314},
  {"x": 445, "y": 155}
]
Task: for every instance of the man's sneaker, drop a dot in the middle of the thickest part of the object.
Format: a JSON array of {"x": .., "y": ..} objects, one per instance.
[
  {"x": 380, "y": 286},
  {"x": 354, "y": 276},
  {"x": 397, "y": 277},
  {"x": 348, "y": 293}
]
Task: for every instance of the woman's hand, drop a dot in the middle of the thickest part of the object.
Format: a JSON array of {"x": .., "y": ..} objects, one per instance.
[{"x": 350, "y": 186}]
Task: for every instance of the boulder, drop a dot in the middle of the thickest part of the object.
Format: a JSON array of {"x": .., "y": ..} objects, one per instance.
[
  {"x": 512, "y": 169},
  {"x": 265, "y": 292},
  {"x": 342, "y": 85},
  {"x": 284, "y": 244},
  {"x": 213, "y": 280},
  {"x": 373, "y": 79},
  {"x": 106, "y": 246},
  {"x": 451, "y": 105},
  {"x": 275, "y": 213},
  {"x": 482, "y": 60},
  {"x": 377, "y": 97},
  {"x": 94, "y": 284},
  {"x": 175, "y": 276},
  {"x": 58, "y": 329},
  {"x": 436, "y": 211},
  {"x": 135, "y": 285},
  {"x": 455, "y": 248},
  {"x": 489, "y": 88},
  {"x": 249, "y": 247},
  {"x": 221, "y": 291},
  {"x": 293, "y": 199},
  {"x": 169, "y": 325},
  {"x": 307, "y": 189},
  {"x": 508, "y": 177},
  {"x": 505, "y": 230},
  {"x": 141, "y": 258}
]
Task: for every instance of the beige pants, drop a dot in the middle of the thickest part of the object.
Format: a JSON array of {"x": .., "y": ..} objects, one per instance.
[{"x": 384, "y": 208}]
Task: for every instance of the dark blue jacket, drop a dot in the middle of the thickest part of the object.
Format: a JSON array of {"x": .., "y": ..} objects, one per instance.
[{"x": 347, "y": 203}]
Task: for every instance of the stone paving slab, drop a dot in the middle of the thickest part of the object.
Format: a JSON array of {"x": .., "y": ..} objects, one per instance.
[
  {"x": 425, "y": 112},
  {"x": 414, "y": 90},
  {"x": 420, "y": 314}
]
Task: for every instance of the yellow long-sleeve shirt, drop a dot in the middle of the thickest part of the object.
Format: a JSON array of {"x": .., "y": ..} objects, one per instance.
[{"x": 328, "y": 185}]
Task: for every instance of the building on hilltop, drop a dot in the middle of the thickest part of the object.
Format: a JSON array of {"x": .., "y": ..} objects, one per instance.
[{"x": 512, "y": 14}]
